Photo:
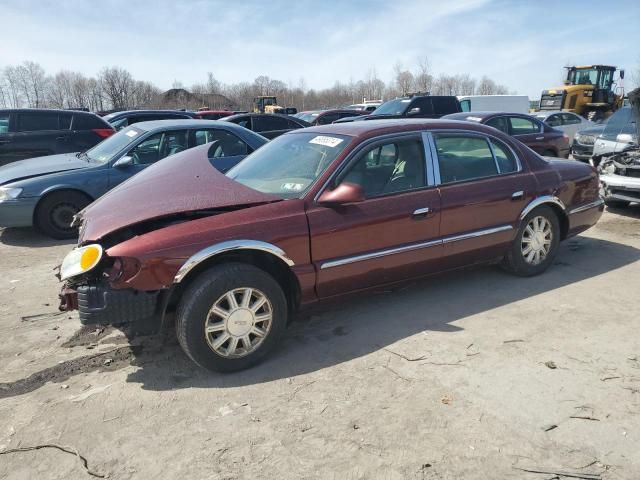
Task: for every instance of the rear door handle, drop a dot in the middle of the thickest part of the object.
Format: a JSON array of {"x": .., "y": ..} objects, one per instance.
[
  {"x": 421, "y": 212},
  {"x": 539, "y": 138},
  {"x": 517, "y": 195}
]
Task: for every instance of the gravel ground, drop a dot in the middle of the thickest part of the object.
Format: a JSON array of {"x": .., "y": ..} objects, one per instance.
[{"x": 474, "y": 374}]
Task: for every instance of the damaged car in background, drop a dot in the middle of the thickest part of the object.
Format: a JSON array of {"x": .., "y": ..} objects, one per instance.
[
  {"x": 620, "y": 172},
  {"x": 313, "y": 215}
]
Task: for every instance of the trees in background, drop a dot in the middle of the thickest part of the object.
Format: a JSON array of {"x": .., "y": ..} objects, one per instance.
[{"x": 28, "y": 85}]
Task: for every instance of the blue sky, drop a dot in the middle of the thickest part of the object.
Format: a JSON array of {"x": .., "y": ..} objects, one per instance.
[{"x": 523, "y": 44}]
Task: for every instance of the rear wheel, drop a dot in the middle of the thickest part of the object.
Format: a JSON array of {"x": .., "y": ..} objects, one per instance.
[
  {"x": 536, "y": 243},
  {"x": 231, "y": 317},
  {"x": 55, "y": 212}
]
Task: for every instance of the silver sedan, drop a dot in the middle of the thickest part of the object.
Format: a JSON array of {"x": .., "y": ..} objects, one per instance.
[{"x": 568, "y": 122}]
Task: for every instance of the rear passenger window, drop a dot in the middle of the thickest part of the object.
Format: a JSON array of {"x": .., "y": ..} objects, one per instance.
[
  {"x": 464, "y": 157},
  {"x": 267, "y": 123},
  {"x": 4, "y": 123},
  {"x": 504, "y": 156},
  {"x": 554, "y": 121},
  {"x": 570, "y": 119},
  {"x": 228, "y": 145},
  {"x": 523, "y": 126},
  {"x": 65, "y": 121},
  {"x": 501, "y": 123},
  {"x": 87, "y": 122},
  {"x": 33, "y": 122}
]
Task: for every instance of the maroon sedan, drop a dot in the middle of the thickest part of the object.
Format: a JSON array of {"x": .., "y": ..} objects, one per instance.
[
  {"x": 315, "y": 214},
  {"x": 538, "y": 136}
]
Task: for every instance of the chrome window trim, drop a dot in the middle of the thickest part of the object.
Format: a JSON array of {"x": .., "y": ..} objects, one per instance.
[
  {"x": 536, "y": 202},
  {"x": 493, "y": 154},
  {"x": 228, "y": 246},
  {"x": 351, "y": 157},
  {"x": 434, "y": 158},
  {"x": 415, "y": 246},
  {"x": 488, "y": 137},
  {"x": 587, "y": 206},
  {"x": 428, "y": 155}
]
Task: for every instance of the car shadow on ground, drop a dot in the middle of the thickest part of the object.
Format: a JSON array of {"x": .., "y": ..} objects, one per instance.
[
  {"x": 632, "y": 211},
  {"x": 370, "y": 322},
  {"x": 30, "y": 237}
]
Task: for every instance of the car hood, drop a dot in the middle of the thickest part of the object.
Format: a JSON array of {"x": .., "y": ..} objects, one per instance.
[
  {"x": 35, "y": 167},
  {"x": 595, "y": 130},
  {"x": 183, "y": 183}
]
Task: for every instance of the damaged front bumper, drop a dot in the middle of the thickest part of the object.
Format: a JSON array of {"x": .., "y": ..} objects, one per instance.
[
  {"x": 620, "y": 187},
  {"x": 99, "y": 304}
]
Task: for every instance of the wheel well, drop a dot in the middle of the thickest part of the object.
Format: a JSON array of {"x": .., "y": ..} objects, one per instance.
[
  {"x": 51, "y": 192},
  {"x": 562, "y": 218},
  {"x": 271, "y": 264}
]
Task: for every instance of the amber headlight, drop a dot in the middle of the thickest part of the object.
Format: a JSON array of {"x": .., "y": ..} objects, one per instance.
[{"x": 80, "y": 260}]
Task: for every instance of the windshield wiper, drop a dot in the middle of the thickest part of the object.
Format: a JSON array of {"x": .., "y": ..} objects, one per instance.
[{"x": 83, "y": 156}]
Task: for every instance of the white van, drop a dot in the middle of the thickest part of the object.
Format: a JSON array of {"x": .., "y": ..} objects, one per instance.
[{"x": 494, "y": 103}]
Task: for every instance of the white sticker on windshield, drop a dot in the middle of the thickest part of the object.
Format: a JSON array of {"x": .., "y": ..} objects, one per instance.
[
  {"x": 131, "y": 133},
  {"x": 296, "y": 187},
  {"x": 326, "y": 141},
  {"x": 474, "y": 119}
]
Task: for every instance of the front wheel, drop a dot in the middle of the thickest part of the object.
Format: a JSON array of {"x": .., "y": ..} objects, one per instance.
[
  {"x": 536, "y": 243},
  {"x": 55, "y": 213},
  {"x": 231, "y": 317}
]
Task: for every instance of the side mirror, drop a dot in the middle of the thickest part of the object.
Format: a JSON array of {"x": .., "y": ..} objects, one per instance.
[
  {"x": 125, "y": 161},
  {"x": 344, "y": 193},
  {"x": 413, "y": 112}
]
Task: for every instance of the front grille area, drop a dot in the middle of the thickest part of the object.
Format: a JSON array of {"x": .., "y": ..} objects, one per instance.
[{"x": 551, "y": 102}]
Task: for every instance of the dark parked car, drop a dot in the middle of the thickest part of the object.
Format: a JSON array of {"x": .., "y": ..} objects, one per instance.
[
  {"x": 536, "y": 135},
  {"x": 212, "y": 114},
  {"x": 316, "y": 214},
  {"x": 417, "y": 106},
  {"x": 48, "y": 192},
  {"x": 583, "y": 142},
  {"x": 27, "y": 133},
  {"x": 269, "y": 125},
  {"x": 123, "y": 119},
  {"x": 325, "y": 117}
]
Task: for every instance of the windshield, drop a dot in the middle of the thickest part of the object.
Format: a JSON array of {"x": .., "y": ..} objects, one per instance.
[
  {"x": 108, "y": 148},
  {"x": 288, "y": 165},
  {"x": 392, "y": 107}
]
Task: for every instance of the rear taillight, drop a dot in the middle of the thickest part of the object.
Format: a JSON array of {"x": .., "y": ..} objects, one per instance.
[{"x": 103, "y": 132}]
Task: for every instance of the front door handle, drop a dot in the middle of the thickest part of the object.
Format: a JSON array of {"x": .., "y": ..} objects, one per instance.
[
  {"x": 62, "y": 138},
  {"x": 517, "y": 195},
  {"x": 421, "y": 212},
  {"x": 539, "y": 138}
]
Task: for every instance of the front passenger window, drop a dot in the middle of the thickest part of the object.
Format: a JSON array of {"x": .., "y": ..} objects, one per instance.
[{"x": 390, "y": 168}]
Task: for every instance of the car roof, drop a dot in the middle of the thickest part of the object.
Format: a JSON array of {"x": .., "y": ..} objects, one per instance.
[
  {"x": 212, "y": 111},
  {"x": 125, "y": 113},
  {"x": 548, "y": 113},
  {"x": 370, "y": 128},
  {"x": 482, "y": 115},
  {"x": 178, "y": 123},
  {"x": 45, "y": 110}
]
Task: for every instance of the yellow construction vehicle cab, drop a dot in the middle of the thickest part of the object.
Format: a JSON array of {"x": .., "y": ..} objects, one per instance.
[
  {"x": 589, "y": 91},
  {"x": 266, "y": 104}
]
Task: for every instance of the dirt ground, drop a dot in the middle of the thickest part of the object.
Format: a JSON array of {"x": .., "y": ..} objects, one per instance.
[{"x": 470, "y": 375}]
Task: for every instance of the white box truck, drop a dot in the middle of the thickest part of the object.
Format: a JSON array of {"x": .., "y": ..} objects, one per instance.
[{"x": 494, "y": 103}]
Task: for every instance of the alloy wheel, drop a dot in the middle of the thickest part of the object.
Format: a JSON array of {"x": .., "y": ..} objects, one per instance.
[
  {"x": 238, "y": 322},
  {"x": 536, "y": 240}
]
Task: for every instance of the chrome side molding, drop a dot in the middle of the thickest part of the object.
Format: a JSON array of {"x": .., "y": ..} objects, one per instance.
[
  {"x": 228, "y": 246},
  {"x": 536, "y": 202},
  {"x": 414, "y": 246},
  {"x": 587, "y": 206}
]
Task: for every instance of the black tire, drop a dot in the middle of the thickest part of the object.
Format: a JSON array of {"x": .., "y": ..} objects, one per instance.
[
  {"x": 515, "y": 262},
  {"x": 54, "y": 213},
  {"x": 616, "y": 203},
  {"x": 198, "y": 299}
]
